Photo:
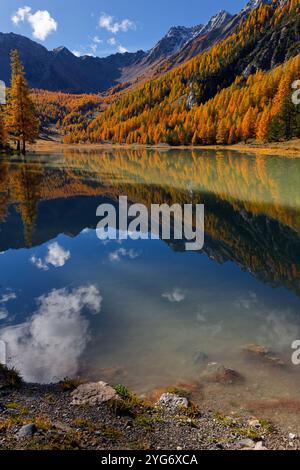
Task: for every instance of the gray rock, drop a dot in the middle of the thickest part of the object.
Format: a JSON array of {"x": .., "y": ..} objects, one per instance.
[
  {"x": 246, "y": 444},
  {"x": 172, "y": 402},
  {"x": 260, "y": 446},
  {"x": 27, "y": 431},
  {"x": 61, "y": 426},
  {"x": 93, "y": 394}
]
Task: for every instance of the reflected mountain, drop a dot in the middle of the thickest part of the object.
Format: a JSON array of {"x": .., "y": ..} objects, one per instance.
[{"x": 252, "y": 217}]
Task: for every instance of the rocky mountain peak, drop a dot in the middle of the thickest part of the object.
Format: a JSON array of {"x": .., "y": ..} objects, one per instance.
[
  {"x": 217, "y": 21},
  {"x": 61, "y": 49}
]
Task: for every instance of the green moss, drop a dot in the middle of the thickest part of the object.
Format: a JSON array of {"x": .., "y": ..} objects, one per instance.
[
  {"x": 249, "y": 433},
  {"x": 183, "y": 419},
  {"x": 123, "y": 391},
  {"x": 254, "y": 433},
  {"x": 193, "y": 411},
  {"x": 17, "y": 407},
  {"x": 145, "y": 422},
  {"x": 70, "y": 441},
  {"x": 130, "y": 405},
  {"x": 42, "y": 422},
  {"x": 111, "y": 432},
  {"x": 222, "y": 419},
  {"x": 266, "y": 427},
  {"x": 49, "y": 398},
  {"x": 85, "y": 424},
  {"x": 139, "y": 445}
]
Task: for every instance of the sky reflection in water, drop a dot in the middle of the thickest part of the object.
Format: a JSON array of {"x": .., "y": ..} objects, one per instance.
[{"x": 144, "y": 312}]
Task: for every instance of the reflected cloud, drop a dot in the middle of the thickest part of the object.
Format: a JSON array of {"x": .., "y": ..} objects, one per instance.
[
  {"x": 116, "y": 256},
  {"x": 48, "y": 346},
  {"x": 205, "y": 327},
  {"x": 276, "y": 328},
  {"x": 247, "y": 302},
  {"x": 279, "y": 329},
  {"x": 3, "y": 313},
  {"x": 7, "y": 297},
  {"x": 57, "y": 257},
  {"x": 175, "y": 296}
]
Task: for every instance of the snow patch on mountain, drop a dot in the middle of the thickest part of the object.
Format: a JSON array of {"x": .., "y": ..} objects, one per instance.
[{"x": 252, "y": 4}]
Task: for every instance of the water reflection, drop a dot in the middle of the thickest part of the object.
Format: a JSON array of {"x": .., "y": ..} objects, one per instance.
[
  {"x": 162, "y": 307},
  {"x": 50, "y": 343}
]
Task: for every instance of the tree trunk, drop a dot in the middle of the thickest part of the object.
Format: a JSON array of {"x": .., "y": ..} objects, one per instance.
[
  {"x": 24, "y": 147},
  {"x": 18, "y": 145}
]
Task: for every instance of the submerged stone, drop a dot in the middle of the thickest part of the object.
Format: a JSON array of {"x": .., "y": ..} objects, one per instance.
[
  {"x": 258, "y": 352},
  {"x": 216, "y": 372},
  {"x": 200, "y": 357}
]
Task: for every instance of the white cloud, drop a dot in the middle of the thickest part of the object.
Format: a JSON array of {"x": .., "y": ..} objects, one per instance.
[
  {"x": 42, "y": 24},
  {"x": 21, "y": 15},
  {"x": 57, "y": 257},
  {"x": 175, "y": 296},
  {"x": 117, "y": 255},
  {"x": 95, "y": 43},
  {"x": 97, "y": 40},
  {"x": 112, "y": 41},
  {"x": 41, "y": 21},
  {"x": 94, "y": 48},
  {"x": 107, "y": 22},
  {"x": 48, "y": 346},
  {"x": 77, "y": 53},
  {"x": 122, "y": 49}
]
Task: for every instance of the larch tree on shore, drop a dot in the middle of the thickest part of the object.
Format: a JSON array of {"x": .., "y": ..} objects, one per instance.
[
  {"x": 2, "y": 129},
  {"x": 22, "y": 125}
]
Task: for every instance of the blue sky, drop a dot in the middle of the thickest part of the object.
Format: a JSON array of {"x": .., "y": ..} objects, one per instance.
[{"x": 102, "y": 27}]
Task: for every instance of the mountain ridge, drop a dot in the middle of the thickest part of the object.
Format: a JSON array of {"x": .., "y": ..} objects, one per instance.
[{"x": 61, "y": 70}]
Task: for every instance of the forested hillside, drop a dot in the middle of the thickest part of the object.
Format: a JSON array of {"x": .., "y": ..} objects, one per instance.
[{"x": 237, "y": 90}]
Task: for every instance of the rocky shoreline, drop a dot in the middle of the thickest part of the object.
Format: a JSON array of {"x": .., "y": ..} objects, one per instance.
[{"x": 96, "y": 416}]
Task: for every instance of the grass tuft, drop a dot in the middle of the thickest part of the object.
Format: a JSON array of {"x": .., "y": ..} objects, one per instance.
[{"x": 9, "y": 377}]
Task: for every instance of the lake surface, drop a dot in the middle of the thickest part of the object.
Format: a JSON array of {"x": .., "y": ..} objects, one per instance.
[{"x": 147, "y": 313}]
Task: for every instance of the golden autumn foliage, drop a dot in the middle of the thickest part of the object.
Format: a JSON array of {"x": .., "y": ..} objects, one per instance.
[
  {"x": 203, "y": 101},
  {"x": 225, "y": 108},
  {"x": 2, "y": 130},
  {"x": 240, "y": 193},
  {"x": 21, "y": 122},
  {"x": 65, "y": 110}
]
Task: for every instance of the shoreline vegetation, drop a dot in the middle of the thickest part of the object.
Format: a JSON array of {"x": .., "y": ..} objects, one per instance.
[
  {"x": 76, "y": 415},
  {"x": 289, "y": 148}
]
